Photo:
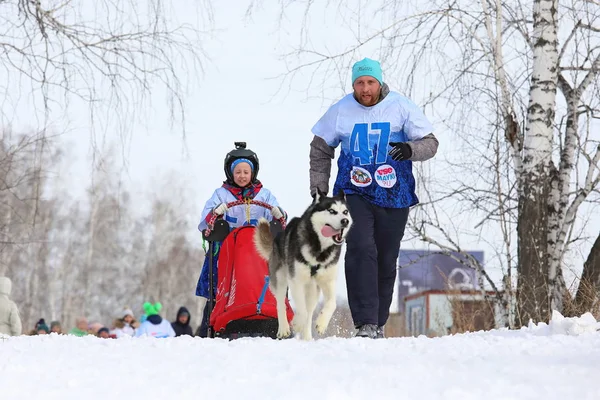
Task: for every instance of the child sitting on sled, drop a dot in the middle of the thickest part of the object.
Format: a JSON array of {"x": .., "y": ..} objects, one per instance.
[{"x": 241, "y": 170}]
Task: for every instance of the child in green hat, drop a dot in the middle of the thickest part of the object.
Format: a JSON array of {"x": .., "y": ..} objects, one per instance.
[{"x": 154, "y": 325}]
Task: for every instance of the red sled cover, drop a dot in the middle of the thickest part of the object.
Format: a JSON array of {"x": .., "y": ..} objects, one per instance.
[{"x": 241, "y": 282}]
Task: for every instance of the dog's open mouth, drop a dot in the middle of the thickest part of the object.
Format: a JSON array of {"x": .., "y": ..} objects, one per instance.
[
  {"x": 337, "y": 235},
  {"x": 339, "y": 238}
]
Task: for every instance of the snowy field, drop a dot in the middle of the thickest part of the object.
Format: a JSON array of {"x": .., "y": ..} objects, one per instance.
[{"x": 556, "y": 361}]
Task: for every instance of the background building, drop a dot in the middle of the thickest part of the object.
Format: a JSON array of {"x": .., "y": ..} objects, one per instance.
[{"x": 436, "y": 294}]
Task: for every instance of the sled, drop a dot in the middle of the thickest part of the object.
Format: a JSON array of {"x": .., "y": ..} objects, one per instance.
[{"x": 244, "y": 306}]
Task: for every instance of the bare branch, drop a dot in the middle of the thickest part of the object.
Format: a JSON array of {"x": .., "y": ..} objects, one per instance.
[
  {"x": 592, "y": 181},
  {"x": 591, "y": 28},
  {"x": 90, "y": 52}
]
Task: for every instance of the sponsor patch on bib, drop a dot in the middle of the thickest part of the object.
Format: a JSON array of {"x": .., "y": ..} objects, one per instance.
[
  {"x": 360, "y": 177},
  {"x": 385, "y": 176}
]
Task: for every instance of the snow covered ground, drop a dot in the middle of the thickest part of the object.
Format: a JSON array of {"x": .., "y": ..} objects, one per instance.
[{"x": 556, "y": 361}]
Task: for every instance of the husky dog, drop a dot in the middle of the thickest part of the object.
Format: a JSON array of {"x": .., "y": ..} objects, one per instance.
[{"x": 304, "y": 257}]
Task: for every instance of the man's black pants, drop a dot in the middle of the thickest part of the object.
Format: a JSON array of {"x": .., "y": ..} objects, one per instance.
[{"x": 372, "y": 248}]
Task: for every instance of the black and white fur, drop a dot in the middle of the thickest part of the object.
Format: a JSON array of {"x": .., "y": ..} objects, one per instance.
[{"x": 305, "y": 260}]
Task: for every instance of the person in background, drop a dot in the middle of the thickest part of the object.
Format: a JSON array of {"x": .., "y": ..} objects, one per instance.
[
  {"x": 10, "y": 321},
  {"x": 181, "y": 325},
  {"x": 94, "y": 327},
  {"x": 125, "y": 325},
  {"x": 41, "y": 328},
  {"x": 55, "y": 327},
  {"x": 81, "y": 327},
  {"x": 103, "y": 333},
  {"x": 154, "y": 325}
]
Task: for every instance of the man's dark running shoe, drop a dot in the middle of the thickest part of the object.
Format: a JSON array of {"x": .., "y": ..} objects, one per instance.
[{"x": 368, "y": 331}]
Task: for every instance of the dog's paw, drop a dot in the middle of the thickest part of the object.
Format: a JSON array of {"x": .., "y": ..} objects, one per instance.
[
  {"x": 283, "y": 332},
  {"x": 321, "y": 324}
]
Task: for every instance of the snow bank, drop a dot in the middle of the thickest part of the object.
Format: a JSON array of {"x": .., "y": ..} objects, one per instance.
[
  {"x": 556, "y": 361},
  {"x": 560, "y": 325}
]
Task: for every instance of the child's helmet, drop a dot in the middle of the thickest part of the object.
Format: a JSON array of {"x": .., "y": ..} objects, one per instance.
[{"x": 240, "y": 152}]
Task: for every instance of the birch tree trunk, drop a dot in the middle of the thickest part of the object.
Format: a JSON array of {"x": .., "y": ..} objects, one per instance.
[
  {"x": 533, "y": 284},
  {"x": 90, "y": 254}
]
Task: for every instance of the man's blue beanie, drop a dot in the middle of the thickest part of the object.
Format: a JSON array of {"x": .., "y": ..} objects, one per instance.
[{"x": 367, "y": 67}]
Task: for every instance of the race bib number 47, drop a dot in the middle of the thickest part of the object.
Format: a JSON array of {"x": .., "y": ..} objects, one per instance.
[{"x": 361, "y": 145}]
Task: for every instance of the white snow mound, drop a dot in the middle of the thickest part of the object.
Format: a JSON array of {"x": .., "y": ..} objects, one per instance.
[
  {"x": 554, "y": 361},
  {"x": 560, "y": 325}
]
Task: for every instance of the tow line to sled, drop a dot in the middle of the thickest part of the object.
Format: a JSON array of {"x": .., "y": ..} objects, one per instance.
[{"x": 217, "y": 231}]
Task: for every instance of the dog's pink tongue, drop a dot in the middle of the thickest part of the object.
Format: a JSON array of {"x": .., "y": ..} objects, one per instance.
[{"x": 328, "y": 231}]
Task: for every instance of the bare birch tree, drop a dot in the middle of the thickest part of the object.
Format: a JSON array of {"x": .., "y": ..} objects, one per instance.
[
  {"x": 490, "y": 70},
  {"x": 107, "y": 225},
  {"x": 26, "y": 217},
  {"x": 173, "y": 262},
  {"x": 68, "y": 239}
]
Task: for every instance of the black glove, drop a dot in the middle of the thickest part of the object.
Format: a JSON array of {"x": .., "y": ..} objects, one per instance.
[{"x": 401, "y": 151}]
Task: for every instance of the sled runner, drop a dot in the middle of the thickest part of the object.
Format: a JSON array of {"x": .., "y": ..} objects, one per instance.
[{"x": 244, "y": 306}]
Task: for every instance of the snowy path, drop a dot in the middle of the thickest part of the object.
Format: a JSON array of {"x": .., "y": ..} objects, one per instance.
[{"x": 534, "y": 363}]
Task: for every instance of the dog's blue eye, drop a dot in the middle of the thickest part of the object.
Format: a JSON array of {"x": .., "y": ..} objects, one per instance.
[
  {"x": 332, "y": 211},
  {"x": 345, "y": 212}
]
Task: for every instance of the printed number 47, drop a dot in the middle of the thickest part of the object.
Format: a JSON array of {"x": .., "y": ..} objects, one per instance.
[{"x": 359, "y": 142}]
